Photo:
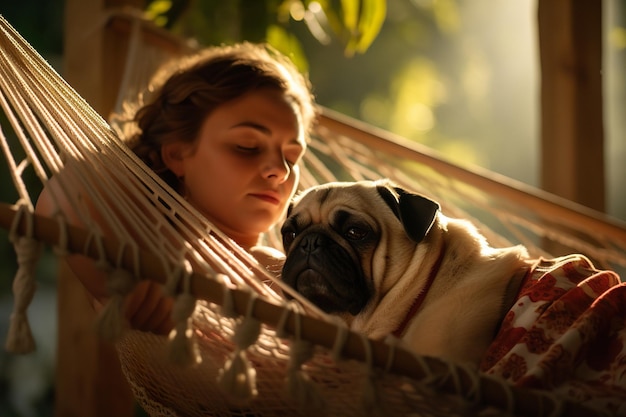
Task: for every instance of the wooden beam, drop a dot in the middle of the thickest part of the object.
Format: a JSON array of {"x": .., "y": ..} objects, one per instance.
[{"x": 572, "y": 132}]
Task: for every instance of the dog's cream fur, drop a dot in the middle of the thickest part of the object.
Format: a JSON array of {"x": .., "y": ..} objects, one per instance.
[{"x": 465, "y": 304}]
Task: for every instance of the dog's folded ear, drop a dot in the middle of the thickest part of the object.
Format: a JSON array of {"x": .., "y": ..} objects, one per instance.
[{"x": 416, "y": 212}]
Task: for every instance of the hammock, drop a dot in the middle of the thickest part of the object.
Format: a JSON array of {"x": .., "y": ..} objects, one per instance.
[{"x": 238, "y": 348}]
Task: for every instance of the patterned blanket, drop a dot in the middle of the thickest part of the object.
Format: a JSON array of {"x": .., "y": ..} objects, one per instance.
[{"x": 566, "y": 333}]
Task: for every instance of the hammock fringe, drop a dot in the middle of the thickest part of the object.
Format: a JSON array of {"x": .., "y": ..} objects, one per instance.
[
  {"x": 28, "y": 251},
  {"x": 298, "y": 383},
  {"x": 20, "y": 337},
  {"x": 111, "y": 321},
  {"x": 238, "y": 377},
  {"x": 184, "y": 349}
]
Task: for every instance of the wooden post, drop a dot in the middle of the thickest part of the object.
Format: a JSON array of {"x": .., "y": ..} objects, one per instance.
[
  {"x": 89, "y": 382},
  {"x": 572, "y": 133}
]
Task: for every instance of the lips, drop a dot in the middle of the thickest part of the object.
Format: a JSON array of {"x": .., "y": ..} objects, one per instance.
[{"x": 268, "y": 196}]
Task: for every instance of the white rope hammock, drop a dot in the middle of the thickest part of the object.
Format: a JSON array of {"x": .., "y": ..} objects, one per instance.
[{"x": 241, "y": 349}]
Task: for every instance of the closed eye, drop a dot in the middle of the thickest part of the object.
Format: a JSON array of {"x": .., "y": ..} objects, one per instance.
[
  {"x": 247, "y": 149},
  {"x": 292, "y": 159}
]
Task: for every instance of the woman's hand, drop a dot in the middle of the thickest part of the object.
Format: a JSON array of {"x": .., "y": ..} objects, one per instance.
[{"x": 149, "y": 308}]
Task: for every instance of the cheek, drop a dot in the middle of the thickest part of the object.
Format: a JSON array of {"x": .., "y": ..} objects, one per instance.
[
  {"x": 205, "y": 176},
  {"x": 206, "y": 164}
]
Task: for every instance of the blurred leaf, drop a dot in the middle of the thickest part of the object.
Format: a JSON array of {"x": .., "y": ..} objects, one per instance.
[
  {"x": 350, "y": 14},
  {"x": 333, "y": 13},
  {"x": 373, "y": 13},
  {"x": 158, "y": 7},
  {"x": 288, "y": 45},
  {"x": 166, "y": 13},
  {"x": 355, "y": 22},
  {"x": 284, "y": 9}
]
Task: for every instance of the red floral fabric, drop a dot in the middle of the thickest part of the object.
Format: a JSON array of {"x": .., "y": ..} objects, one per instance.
[{"x": 566, "y": 333}]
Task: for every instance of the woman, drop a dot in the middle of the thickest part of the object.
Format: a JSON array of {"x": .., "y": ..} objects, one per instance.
[{"x": 226, "y": 128}]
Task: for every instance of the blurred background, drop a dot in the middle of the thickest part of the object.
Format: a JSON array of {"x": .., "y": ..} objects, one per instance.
[{"x": 460, "y": 77}]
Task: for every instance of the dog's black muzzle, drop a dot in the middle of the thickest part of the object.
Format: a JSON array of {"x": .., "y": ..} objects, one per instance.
[{"x": 326, "y": 273}]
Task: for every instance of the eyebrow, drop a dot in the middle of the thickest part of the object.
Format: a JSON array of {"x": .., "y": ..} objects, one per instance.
[{"x": 253, "y": 125}]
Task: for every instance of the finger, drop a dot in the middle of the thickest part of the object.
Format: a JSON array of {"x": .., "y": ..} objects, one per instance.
[
  {"x": 135, "y": 299},
  {"x": 143, "y": 304},
  {"x": 160, "y": 321},
  {"x": 97, "y": 304}
]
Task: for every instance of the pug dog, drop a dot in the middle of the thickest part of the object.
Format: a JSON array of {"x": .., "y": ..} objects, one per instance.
[{"x": 388, "y": 262}]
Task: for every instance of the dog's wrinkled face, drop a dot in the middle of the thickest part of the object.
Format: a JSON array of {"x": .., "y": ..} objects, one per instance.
[{"x": 341, "y": 239}]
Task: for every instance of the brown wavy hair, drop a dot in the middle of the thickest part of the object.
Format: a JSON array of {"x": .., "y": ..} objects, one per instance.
[{"x": 182, "y": 95}]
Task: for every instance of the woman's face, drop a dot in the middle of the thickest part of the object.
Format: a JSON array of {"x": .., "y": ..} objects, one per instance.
[{"x": 242, "y": 170}]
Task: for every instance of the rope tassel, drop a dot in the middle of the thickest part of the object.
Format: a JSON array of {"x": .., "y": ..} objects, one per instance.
[
  {"x": 298, "y": 383},
  {"x": 183, "y": 346},
  {"x": 20, "y": 337},
  {"x": 111, "y": 319},
  {"x": 183, "y": 349},
  {"x": 238, "y": 377}
]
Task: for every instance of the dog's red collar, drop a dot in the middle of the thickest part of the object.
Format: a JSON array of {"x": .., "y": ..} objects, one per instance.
[{"x": 417, "y": 303}]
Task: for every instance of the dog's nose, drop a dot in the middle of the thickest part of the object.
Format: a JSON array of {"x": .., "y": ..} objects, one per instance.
[{"x": 313, "y": 242}]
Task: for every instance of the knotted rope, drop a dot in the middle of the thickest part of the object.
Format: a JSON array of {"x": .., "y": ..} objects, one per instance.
[{"x": 28, "y": 250}]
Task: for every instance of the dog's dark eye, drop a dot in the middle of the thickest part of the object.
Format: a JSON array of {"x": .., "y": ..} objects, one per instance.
[
  {"x": 355, "y": 233},
  {"x": 288, "y": 237}
]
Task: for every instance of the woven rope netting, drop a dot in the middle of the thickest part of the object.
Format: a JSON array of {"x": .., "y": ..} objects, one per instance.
[{"x": 243, "y": 350}]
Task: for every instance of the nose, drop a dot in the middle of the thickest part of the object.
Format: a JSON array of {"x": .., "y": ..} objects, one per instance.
[
  {"x": 311, "y": 243},
  {"x": 276, "y": 167}
]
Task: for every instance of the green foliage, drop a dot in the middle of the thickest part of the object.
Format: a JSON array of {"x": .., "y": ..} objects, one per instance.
[
  {"x": 354, "y": 23},
  {"x": 288, "y": 44}
]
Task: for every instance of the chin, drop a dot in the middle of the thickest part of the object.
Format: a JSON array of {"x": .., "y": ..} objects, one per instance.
[{"x": 259, "y": 222}]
